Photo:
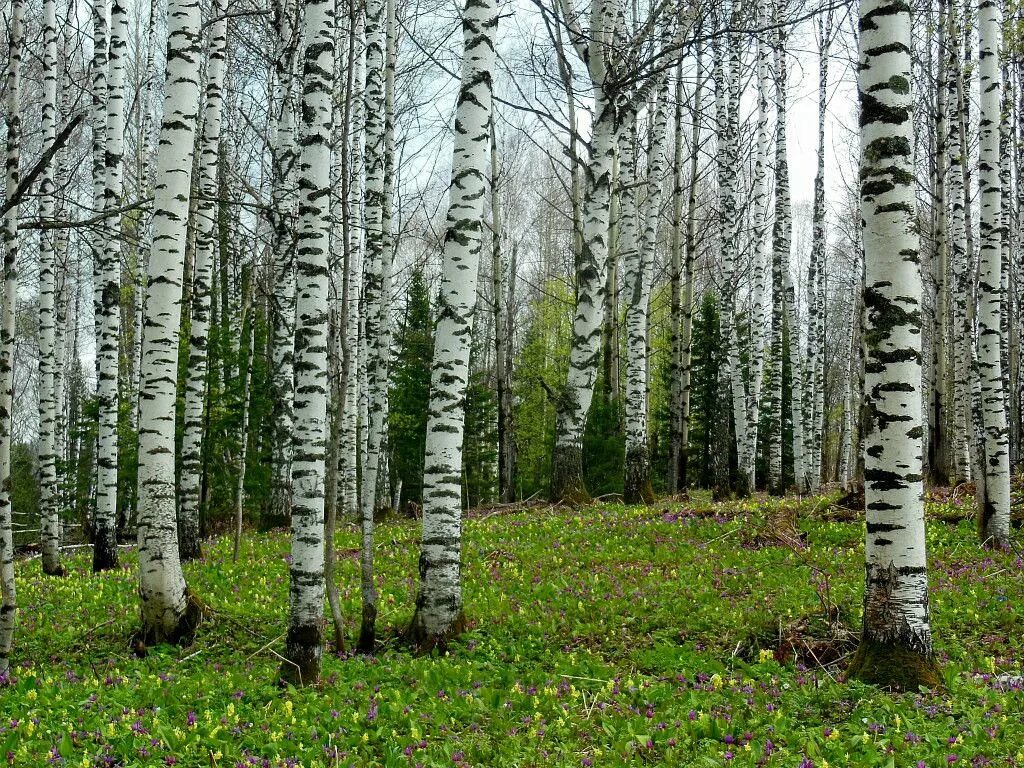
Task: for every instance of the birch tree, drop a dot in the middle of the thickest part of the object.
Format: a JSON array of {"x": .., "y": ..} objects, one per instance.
[
  {"x": 639, "y": 277},
  {"x": 439, "y": 613},
  {"x": 815, "y": 274},
  {"x": 169, "y": 612},
  {"x": 12, "y": 177},
  {"x": 202, "y": 276},
  {"x": 781, "y": 240},
  {"x": 304, "y": 643},
  {"x": 958, "y": 252},
  {"x": 596, "y": 49},
  {"x": 376, "y": 276},
  {"x": 896, "y": 645},
  {"x": 278, "y": 508},
  {"x": 49, "y": 501},
  {"x": 994, "y": 511},
  {"x": 727, "y": 99}
]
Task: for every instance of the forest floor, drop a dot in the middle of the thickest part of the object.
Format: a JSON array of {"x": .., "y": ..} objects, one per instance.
[{"x": 684, "y": 634}]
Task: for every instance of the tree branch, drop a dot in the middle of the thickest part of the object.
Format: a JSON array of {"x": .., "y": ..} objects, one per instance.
[{"x": 30, "y": 177}]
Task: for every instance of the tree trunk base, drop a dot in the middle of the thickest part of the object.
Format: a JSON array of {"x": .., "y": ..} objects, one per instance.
[
  {"x": 426, "y": 642},
  {"x": 567, "y": 486},
  {"x": 104, "y": 553},
  {"x": 637, "y": 488},
  {"x": 367, "y": 643},
  {"x": 183, "y": 633},
  {"x": 55, "y": 569},
  {"x": 990, "y": 534},
  {"x": 189, "y": 549},
  {"x": 303, "y": 649},
  {"x": 893, "y": 666}
]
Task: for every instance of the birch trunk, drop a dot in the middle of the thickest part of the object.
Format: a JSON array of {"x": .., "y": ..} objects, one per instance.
[
  {"x": 959, "y": 258},
  {"x": 304, "y": 643},
  {"x": 278, "y": 509},
  {"x": 348, "y": 448},
  {"x": 941, "y": 425},
  {"x": 759, "y": 227},
  {"x": 12, "y": 176},
  {"x": 689, "y": 248},
  {"x": 49, "y": 534},
  {"x": 105, "y": 518},
  {"x": 169, "y": 613},
  {"x": 815, "y": 275},
  {"x": 726, "y": 97},
  {"x": 202, "y": 275},
  {"x": 376, "y": 276},
  {"x": 502, "y": 340},
  {"x": 638, "y": 299},
  {"x": 573, "y": 401},
  {"x": 781, "y": 239},
  {"x": 896, "y": 645},
  {"x": 994, "y": 512},
  {"x": 439, "y": 601}
]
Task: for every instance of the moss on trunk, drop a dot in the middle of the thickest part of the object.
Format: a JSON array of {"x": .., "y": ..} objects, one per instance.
[
  {"x": 567, "y": 486},
  {"x": 303, "y": 649},
  {"x": 104, "y": 553},
  {"x": 893, "y": 666},
  {"x": 368, "y": 630},
  {"x": 425, "y": 642},
  {"x": 183, "y": 632},
  {"x": 637, "y": 488}
]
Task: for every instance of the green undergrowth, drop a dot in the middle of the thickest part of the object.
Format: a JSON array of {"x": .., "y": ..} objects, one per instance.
[{"x": 607, "y": 635}]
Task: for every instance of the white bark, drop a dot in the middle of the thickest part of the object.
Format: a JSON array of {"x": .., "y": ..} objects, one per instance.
[
  {"x": 781, "y": 239},
  {"x": 306, "y": 597},
  {"x": 49, "y": 503},
  {"x": 202, "y": 276},
  {"x": 816, "y": 275},
  {"x": 278, "y": 509},
  {"x": 12, "y": 175},
  {"x": 374, "y": 309},
  {"x": 958, "y": 259},
  {"x": 639, "y": 277},
  {"x": 760, "y": 216},
  {"x": 897, "y": 642},
  {"x": 994, "y": 514},
  {"x": 573, "y": 403},
  {"x": 348, "y": 450},
  {"x": 439, "y": 602},
  {"x": 167, "y": 612},
  {"x": 727, "y": 100}
]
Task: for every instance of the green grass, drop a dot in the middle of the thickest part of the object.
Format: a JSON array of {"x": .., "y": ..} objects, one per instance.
[{"x": 602, "y": 636}]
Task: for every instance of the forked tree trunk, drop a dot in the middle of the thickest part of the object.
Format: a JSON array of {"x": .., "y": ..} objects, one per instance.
[
  {"x": 304, "y": 642},
  {"x": 727, "y": 97},
  {"x": 572, "y": 402},
  {"x": 169, "y": 612},
  {"x": 638, "y": 298},
  {"x": 896, "y": 645},
  {"x": 202, "y": 275},
  {"x": 439, "y": 601}
]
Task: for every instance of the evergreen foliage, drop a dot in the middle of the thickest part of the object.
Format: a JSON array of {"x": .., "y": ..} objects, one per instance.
[{"x": 409, "y": 395}]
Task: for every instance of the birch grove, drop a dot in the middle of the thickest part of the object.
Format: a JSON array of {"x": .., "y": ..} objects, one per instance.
[{"x": 346, "y": 281}]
